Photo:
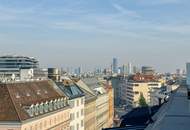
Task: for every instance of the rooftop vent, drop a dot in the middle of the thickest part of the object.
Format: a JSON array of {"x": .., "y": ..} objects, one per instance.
[
  {"x": 17, "y": 95},
  {"x": 45, "y": 92},
  {"x": 28, "y": 94},
  {"x": 38, "y": 92}
]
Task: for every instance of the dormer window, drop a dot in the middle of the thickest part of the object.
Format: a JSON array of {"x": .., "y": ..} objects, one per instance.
[
  {"x": 62, "y": 102},
  {"x": 55, "y": 104},
  {"x": 51, "y": 105},
  {"x": 46, "y": 106},
  {"x": 58, "y": 103},
  {"x": 28, "y": 94},
  {"x": 37, "y": 109},
  {"x": 41, "y": 108},
  {"x": 31, "y": 111},
  {"x": 65, "y": 102},
  {"x": 17, "y": 95},
  {"x": 38, "y": 92}
]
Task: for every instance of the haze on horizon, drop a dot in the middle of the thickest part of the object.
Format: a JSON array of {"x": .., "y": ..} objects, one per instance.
[{"x": 90, "y": 33}]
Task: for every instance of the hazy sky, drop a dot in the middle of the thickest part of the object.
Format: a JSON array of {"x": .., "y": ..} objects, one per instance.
[{"x": 89, "y": 33}]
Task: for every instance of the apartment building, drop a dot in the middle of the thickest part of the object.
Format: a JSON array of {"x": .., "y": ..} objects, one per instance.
[
  {"x": 89, "y": 107},
  {"x": 76, "y": 101},
  {"x": 139, "y": 85},
  {"x": 33, "y": 105},
  {"x": 108, "y": 87},
  {"x": 102, "y": 102}
]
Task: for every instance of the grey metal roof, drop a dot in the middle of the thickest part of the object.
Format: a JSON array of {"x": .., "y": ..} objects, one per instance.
[
  {"x": 72, "y": 90},
  {"x": 174, "y": 115}
]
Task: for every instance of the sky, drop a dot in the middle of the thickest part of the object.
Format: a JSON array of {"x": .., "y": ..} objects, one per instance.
[{"x": 89, "y": 33}]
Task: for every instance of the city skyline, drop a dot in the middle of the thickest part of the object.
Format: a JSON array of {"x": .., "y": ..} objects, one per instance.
[{"x": 89, "y": 34}]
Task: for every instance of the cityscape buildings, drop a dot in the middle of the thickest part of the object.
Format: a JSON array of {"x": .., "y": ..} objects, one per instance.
[{"x": 54, "y": 99}]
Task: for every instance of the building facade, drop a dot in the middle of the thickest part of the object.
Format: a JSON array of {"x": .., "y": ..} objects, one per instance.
[
  {"x": 133, "y": 90},
  {"x": 89, "y": 107},
  {"x": 102, "y": 102},
  {"x": 33, "y": 105},
  {"x": 76, "y": 101},
  {"x": 10, "y": 65}
]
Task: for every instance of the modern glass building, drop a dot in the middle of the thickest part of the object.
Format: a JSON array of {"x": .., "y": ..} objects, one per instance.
[
  {"x": 115, "y": 65},
  {"x": 12, "y": 64}
]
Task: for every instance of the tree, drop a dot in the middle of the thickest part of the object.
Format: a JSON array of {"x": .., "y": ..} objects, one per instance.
[{"x": 142, "y": 101}]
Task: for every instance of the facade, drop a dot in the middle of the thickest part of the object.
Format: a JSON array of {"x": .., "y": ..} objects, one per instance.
[
  {"x": 117, "y": 83},
  {"x": 10, "y": 65},
  {"x": 131, "y": 93},
  {"x": 33, "y": 105},
  {"x": 102, "y": 102},
  {"x": 76, "y": 101},
  {"x": 89, "y": 107},
  {"x": 108, "y": 87}
]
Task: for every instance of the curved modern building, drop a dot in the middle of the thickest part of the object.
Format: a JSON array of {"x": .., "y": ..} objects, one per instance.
[
  {"x": 11, "y": 64},
  {"x": 21, "y": 62}
]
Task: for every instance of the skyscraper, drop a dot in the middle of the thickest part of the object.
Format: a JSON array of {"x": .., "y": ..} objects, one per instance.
[
  {"x": 188, "y": 78},
  {"x": 115, "y": 65},
  {"x": 129, "y": 68},
  {"x": 188, "y": 73}
]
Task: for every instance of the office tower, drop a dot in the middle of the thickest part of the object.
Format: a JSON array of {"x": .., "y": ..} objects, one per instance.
[
  {"x": 115, "y": 66},
  {"x": 188, "y": 78},
  {"x": 129, "y": 68}
]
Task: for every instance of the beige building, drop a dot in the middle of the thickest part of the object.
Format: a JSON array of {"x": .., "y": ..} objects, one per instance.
[
  {"x": 90, "y": 106},
  {"x": 33, "y": 105},
  {"x": 131, "y": 93},
  {"x": 102, "y": 102},
  {"x": 108, "y": 87}
]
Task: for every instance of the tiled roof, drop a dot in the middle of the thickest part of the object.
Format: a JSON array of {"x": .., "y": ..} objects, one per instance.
[{"x": 15, "y": 96}]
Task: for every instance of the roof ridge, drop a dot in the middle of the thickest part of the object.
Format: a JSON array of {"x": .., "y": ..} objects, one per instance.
[{"x": 13, "y": 103}]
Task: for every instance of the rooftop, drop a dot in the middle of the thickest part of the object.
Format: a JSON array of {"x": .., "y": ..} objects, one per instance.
[
  {"x": 174, "y": 115},
  {"x": 70, "y": 89},
  {"x": 15, "y": 97}
]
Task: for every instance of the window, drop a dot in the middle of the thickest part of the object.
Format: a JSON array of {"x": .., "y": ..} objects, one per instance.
[
  {"x": 41, "y": 108},
  {"x": 82, "y": 112},
  {"x": 72, "y": 103},
  {"x": 51, "y": 105},
  {"x": 46, "y": 107},
  {"x": 36, "y": 109},
  {"x": 77, "y": 126},
  {"x": 136, "y": 92},
  {"x": 82, "y": 101},
  {"x": 55, "y": 104},
  {"x": 72, "y": 127},
  {"x": 77, "y": 103},
  {"x": 82, "y": 123},
  {"x": 77, "y": 114},
  {"x": 72, "y": 116}
]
